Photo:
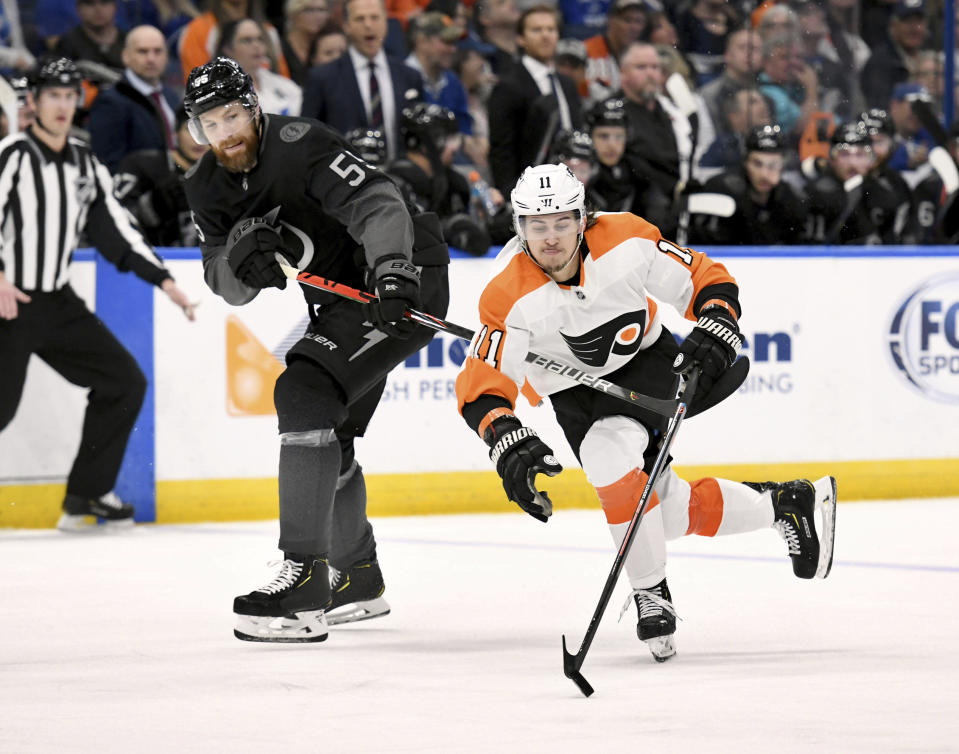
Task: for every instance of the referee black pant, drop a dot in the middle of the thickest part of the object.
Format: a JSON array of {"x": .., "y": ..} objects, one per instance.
[{"x": 60, "y": 329}]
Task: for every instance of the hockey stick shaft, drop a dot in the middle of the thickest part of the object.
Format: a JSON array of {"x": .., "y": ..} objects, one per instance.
[
  {"x": 573, "y": 662},
  {"x": 659, "y": 406}
]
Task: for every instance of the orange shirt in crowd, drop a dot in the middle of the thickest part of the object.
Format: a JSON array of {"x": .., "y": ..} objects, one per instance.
[{"x": 200, "y": 38}]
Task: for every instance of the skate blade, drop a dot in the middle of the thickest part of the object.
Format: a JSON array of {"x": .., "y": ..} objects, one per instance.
[
  {"x": 308, "y": 626},
  {"x": 88, "y": 524},
  {"x": 357, "y": 611},
  {"x": 661, "y": 647},
  {"x": 826, "y": 500}
]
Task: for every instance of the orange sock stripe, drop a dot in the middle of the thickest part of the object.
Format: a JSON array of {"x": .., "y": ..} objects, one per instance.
[
  {"x": 620, "y": 498},
  {"x": 705, "y": 507},
  {"x": 496, "y": 413}
]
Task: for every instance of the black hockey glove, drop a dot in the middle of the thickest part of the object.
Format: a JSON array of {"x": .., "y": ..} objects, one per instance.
[
  {"x": 519, "y": 456},
  {"x": 251, "y": 248},
  {"x": 713, "y": 344},
  {"x": 398, "y": 289}
]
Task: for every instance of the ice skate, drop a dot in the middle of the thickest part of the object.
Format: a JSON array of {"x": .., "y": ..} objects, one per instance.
[
  {"x": 357, "y": 593},
  {"x": 81, "y": 514},
  {"x": 657, "y": 619},
  {"x": 796, "y": 504},
  {"x": 291, "y": 608}
]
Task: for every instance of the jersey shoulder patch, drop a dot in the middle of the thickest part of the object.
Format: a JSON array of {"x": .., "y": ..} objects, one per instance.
[{"x": 294, "y": 131}]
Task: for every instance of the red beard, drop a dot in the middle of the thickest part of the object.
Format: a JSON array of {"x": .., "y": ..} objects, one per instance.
[{"x": 245, "y": 159}]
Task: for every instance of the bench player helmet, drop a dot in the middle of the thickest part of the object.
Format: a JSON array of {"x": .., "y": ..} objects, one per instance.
[
  {"x": 426, "y": 126},
  {"x": 878, "y": 121},
  {"x": 607, "y": 112},
  {"x": 851, "y": 134},
  {"x": 765, "y": 139},
  {"x": 219, "y": 82},
  {"x": 368, "y": 144},
  {"x": 57, "y": 72},
  {"x": 547, "y": 190},
  {"x": 572, "y": 145}
]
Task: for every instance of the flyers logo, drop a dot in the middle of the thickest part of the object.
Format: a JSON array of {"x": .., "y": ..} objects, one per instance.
[{"x": 621, "y": 336}]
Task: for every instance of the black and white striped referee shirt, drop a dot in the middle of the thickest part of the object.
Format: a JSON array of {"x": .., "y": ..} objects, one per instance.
[{"x": 47, "y": 200}]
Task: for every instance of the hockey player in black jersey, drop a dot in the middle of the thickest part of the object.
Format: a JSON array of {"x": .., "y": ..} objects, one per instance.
[
  {"x": 768, "y": 210},
  {"x": 888, "y": 197},
  {"x": 275, "y": 185},
  {"x": 612, "y": 187},
  {"x": 149, "y": 183}
]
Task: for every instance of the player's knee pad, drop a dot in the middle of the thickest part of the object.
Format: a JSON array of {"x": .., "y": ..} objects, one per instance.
[
  {"x": 307, "y": 399},
  {"x": 613, "y": 447}
]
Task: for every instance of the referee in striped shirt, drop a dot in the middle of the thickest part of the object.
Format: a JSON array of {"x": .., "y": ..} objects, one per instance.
[{"x": 52, "y": 189}]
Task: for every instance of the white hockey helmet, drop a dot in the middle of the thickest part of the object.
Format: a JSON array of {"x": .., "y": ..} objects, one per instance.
[{"x": 546, "y": 190}]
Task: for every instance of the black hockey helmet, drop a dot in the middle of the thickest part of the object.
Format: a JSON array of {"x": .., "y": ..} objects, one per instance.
[
  {"x": 878, "y": 121},
  {"x": 765, "y": 139},
  {"x": 57, "y": 72},
  {"x": 368, "y": 144},
  {"x": 853, "y": 133},
  {"x": 571, "y": 145},
  {"x": 219, "y": 82},
  {"x": 607, "y": 112},
  {"x": 425, "y": 125}
]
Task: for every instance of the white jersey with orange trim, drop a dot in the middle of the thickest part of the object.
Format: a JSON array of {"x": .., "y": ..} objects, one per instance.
[{"x": 597, "y": 325}]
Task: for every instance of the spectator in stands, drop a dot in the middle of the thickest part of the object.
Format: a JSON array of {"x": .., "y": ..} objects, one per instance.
[
  {"x": 433, "y": 38},
  {"x": 149, "y": 184},
  {"x": 742, "y": 62},
  {"x": 571, "y": 60},
  {"x": 304, "y": 20},
  {"x": 478, "y": 80},
  {"x": 660, "y": 143},
  {"x": 529, "y": 105},
  {"x": 844, "y": 44},
  {"x": 54, "y": 18},
  {"x": 97, "y": 37},
  {"x": 703, "y": 27},
  {"x": 584, "y": 18},
  {"x": 892, "y": 61},
  {"x": 913, "y": 141},
  {"x": 201, "y": 36},
  {"x": 497, "y": 20},
  {"x": 626, "y": 23},
  {"x": 139, "y": 111},
  {"x": 768, "y": 210},
  {"x": 740, "y": 114},
  {"x": 330, "y": 44},
  {"x": 14, "y": 55},
  {"x": 364, "y": 88},
  {"x": 790, "y": 83},
  {"x": 779, "y": 20},
  {"x": 930, "y": 75},
  {"x": 174, "y": 15},
  {"x": 836, "y": 86},
  {"x": 246, "y": 42}
]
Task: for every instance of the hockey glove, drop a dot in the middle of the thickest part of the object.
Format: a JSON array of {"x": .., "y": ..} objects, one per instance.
[
  {"x": 251, "y": 248},
  {"x": 519, "y": 455},
  {"x": 398, "y": 289},
  {"x": 713, "y": 345}
]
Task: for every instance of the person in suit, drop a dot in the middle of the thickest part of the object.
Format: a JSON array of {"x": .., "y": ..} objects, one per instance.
[
  {"x": 532, "y": 102},
  {"x": 363, "y": 88},
  {"x": 138, "y": 112}
]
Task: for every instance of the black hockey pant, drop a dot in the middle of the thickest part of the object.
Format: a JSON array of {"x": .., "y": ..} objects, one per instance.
[{"x": 60, "y": 329}]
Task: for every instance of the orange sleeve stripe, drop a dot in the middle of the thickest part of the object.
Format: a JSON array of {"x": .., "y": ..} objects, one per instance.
[
  {"x": 620, "y": 498},
  {"x": 492, "y": 416},
  {"x": 705, "y": 507}
]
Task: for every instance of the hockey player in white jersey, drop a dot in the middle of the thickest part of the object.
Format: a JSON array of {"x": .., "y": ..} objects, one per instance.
[{"x": 576, "y": 286}]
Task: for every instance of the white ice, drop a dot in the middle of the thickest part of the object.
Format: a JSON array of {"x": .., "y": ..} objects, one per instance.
[{"x": 123, "y": 643}]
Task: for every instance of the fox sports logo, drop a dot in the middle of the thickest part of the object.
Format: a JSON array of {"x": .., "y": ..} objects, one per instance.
[{"x": 924, "y": 338}]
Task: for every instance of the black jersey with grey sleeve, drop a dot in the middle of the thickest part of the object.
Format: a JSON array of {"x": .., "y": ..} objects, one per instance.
[{"x": 338, "y": 215}]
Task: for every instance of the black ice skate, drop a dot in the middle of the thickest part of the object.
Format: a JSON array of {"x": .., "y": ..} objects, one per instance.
[
  {"x": 291, "y": 608},
  {"x": 80, "y": 514},
  {"x": 795, "y": 505},
  {"x": 657, "y": 619},
  {"x": 357, "y": 593}
]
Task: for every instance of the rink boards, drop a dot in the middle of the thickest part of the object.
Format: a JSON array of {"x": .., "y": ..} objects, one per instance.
[{"x": 855, "y": 355}]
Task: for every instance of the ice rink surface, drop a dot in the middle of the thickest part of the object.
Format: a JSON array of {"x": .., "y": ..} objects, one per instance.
[{"x": 123, "y": 643}]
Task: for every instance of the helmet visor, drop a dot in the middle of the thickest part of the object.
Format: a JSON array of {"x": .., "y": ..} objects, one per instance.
[
  {"x": 221, "y": 123},
  {"x": 557, "y": 225}
]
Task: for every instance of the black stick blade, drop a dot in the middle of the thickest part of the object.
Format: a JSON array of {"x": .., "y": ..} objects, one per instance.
[{"x": 571, "y": 665}]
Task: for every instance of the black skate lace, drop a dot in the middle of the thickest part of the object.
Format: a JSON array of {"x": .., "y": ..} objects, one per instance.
[
  {"x": 789, "y": 533},
  {"x": 651, "y": 603},
  {"x": 289, "y": 572}
]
